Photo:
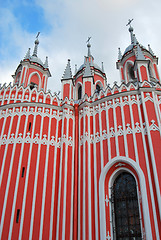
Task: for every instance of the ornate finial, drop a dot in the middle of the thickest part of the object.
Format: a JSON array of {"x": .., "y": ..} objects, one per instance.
[
  {"x": 103, "y": 68},
  {"x": 119, "y": 54},
  {"x": 130, "y": 29},
  {"x": 36, "y": 45},
  {"x": 46, "y": 63},
  {"x": 75, "y": 68}
]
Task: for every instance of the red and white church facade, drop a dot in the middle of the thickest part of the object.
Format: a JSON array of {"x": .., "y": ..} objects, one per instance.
[{"x": 88, "y": 165}]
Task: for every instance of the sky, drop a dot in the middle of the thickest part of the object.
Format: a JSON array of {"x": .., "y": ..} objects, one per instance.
[{"x": 65, "y": 26}]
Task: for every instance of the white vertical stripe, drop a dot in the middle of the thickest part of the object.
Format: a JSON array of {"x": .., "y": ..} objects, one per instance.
[
  {"x": 89, "y": 180},
  {"x": 45, "y": 180},
  {"x": 115, "y": 127},
  {"x": 101, "y": 144},
  {"x": 36, "y": 179},
  {"x": 60, "y": 182},
  {"x": 79, "y": 176},
  {"x": 84, "y": 179},
  {"x": 72, "y": 182},
  {"x": 17, "y": 180},
  {"x": 53, "y": 182},
  {"x": 27, "y": 177},
  {"x": 95, "y": 179},
  {"x": 8, "y": 179},
  {"x": 108, "y": 132},
  {"x": 133, "y": 127},
  {"x": 6, "y": 148},
  {"x": 65, "y": 180},
  {"x": 124, "y": 129}
]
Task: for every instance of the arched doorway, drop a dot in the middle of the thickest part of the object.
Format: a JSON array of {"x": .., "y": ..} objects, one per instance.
[{"x": 125, "y": 208}]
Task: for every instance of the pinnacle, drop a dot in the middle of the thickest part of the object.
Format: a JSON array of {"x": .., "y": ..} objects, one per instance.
[
  {"x": 150, "y": 50},
  {"x": 139, "y": 54},
  {"x": 67, "y": 73},
  {"x": 46, "y": 63},
  {"x": 27, "y": 56},
  {"x": 119, "y": 55},
  {"x": 87, "y": 72}
]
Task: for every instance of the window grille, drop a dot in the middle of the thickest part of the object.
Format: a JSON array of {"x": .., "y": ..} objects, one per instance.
[{"x": 125, "y": 208}]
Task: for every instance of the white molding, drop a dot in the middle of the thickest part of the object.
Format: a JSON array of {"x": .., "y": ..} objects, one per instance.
[
  {"x": 53, "y": 185},
  {"x": 138, "y": 170}
]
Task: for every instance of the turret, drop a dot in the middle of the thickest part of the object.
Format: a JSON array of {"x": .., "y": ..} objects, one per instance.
[
  {"x": 89, "y": 78},
  {"x": 67, "y": 82},
  {"x": 32, "y": 71},
  {"x": 137, "y": 63}
]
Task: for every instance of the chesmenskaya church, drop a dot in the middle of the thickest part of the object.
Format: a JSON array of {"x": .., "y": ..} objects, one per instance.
[{"x": 86, "y": 166}]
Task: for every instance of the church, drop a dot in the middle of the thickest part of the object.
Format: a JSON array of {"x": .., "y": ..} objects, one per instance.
[{"x": 85, "y": 165}]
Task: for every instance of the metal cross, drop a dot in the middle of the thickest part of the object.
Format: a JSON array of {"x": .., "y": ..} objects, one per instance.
[
  {"x": 129, "y": 22},
  {"x": 38, "y": 35},
  {"x": 88, "y": 39}
]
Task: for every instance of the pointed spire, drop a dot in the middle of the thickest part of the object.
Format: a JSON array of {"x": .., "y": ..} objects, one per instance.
[
  {"x": 103, "y": 68},
  {"x": 89, "y": 47},
  {"x": 87, "y": 72},
  {"x": 150, "y": 50},
  {"x": 119, "y": 54},
  {"x": 46, "y": 63},
  {"x": 27, "y": 56},
  {"x": 139, "y": 54},
  {"x": 135, "y": 41},
  {"x": 67, "y": 73},
  {"x": 75, "y": 68},
  {"x": 36, "y": 45}
]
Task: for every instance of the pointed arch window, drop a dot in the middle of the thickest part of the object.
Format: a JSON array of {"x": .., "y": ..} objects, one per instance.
[
  {"x": 80, "y": 92},
  {"x": 125, "y": 208},
  {"x": 98, "y": 88}
]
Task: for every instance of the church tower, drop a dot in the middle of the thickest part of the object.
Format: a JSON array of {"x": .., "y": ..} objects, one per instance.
[
  {"x": 137, "y": 63},
  {"x": 32, "y": 71}
]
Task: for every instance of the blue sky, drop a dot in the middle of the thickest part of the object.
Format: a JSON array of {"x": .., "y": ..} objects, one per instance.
[{"x": 65, "y": 26}]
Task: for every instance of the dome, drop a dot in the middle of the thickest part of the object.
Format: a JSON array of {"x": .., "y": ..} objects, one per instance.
[
  {"x": 93, "y": 64},
  {"x": 36, "y": 60},
  {"x": 129, "y": 48}
]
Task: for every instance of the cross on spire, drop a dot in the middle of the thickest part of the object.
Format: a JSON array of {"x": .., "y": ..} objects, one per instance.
[
  {"x": 88, "y": 39},
  {"x": 129, "y": 22},
  {"x": 38, "y": 35}
]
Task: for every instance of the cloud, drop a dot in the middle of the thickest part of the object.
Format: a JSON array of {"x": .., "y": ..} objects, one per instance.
[{"x": 71, "y": 22}]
